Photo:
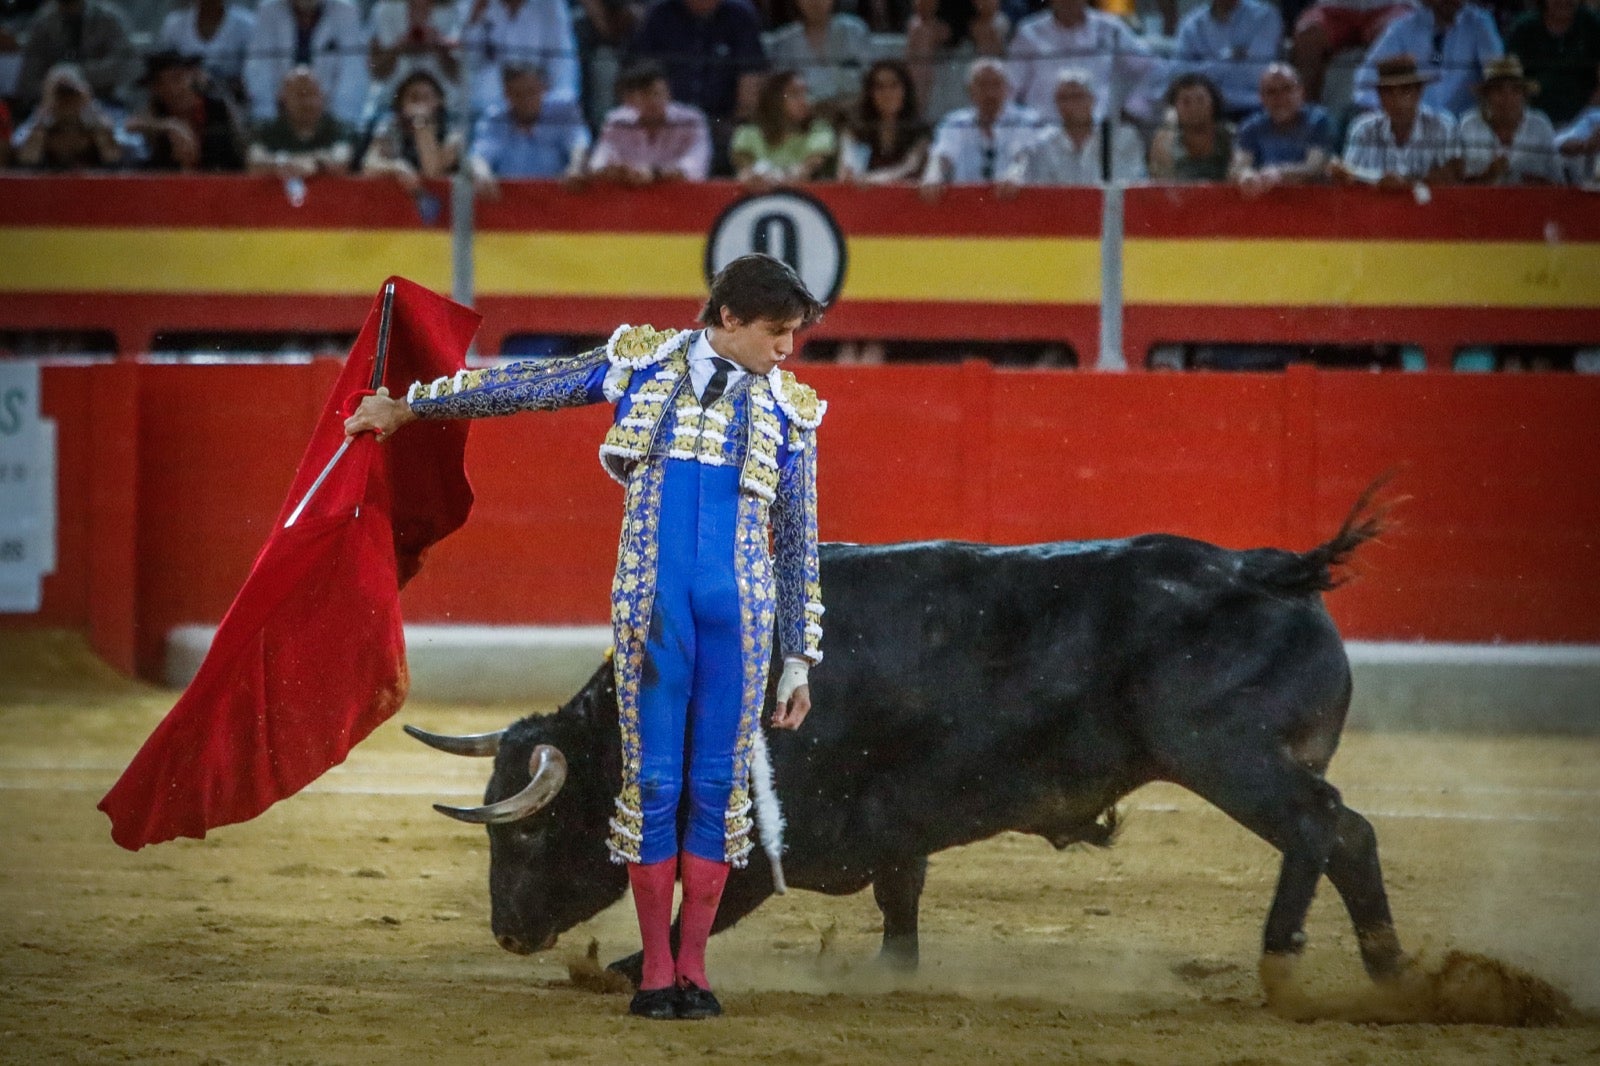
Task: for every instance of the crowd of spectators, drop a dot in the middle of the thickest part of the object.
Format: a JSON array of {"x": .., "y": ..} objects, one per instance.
[{"x": 1010, "y": 93}]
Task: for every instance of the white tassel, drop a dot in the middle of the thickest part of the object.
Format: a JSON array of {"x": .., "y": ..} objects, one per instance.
[{"x": 768, "y": 815}]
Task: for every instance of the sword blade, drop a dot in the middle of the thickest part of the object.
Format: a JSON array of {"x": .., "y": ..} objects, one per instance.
[
  {"x": 317, "y": 484},
  {"x": 385, "y": 316}
]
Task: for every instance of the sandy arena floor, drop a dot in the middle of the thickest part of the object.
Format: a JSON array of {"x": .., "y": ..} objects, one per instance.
[{"x": 350, "y": 923}]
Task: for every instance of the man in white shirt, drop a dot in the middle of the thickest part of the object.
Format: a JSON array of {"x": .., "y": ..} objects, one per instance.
[
  {"x": 408, "y": 35},
  {"x": 1073, "y": 153},
  {"x": 216, "y": 31},
  {"x": 529, "y": 33},
  {"x": 325, "y": 35},
  {"x": 975, "y": 144},
  {"x": 1579, "y": 145},
  {"x": 1403, "y": 144},
  {"x": 831, "y": 50},
  {"x": 1231, "y": 42},
  {"x": 650, "y": 136},
  {"x": 1072, "y": 34},
  {"x": 1504, "y": 141}
]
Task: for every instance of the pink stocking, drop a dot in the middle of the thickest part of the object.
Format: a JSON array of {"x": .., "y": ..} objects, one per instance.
[
  {"x": 652, "y": 899},
  {"x": 703, "y": 881}
]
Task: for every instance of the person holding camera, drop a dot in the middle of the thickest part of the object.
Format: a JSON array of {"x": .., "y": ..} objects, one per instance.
[{"x": 68, "y": 130}]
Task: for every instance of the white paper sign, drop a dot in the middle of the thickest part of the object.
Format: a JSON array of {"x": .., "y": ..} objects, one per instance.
[{"x": 27, "y": 490}]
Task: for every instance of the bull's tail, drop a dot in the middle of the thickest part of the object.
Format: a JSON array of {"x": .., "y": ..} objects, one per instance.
[{"x": 1317, "y": 570}]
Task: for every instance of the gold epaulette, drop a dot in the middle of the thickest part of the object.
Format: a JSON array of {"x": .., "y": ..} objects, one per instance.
[
  {"x": 799, "y": 401},
  {"x": 635, "y": 347}
]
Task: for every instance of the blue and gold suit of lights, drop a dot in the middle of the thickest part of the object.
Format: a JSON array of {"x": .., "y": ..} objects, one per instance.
[{"x": 718, "y": 547}]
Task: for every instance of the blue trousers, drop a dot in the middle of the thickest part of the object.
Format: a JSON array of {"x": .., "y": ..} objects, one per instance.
[{"x": 689, "y": 702}]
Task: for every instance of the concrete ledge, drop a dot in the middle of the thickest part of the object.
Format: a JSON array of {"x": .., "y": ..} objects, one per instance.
[
  {"x": 523, "y": 665},
  {"x": 1476, "y": 688},
  {"x": 1414, "y": 687}
]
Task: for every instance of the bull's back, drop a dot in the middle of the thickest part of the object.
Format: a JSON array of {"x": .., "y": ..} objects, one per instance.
[{"x": 972, "y": 688}]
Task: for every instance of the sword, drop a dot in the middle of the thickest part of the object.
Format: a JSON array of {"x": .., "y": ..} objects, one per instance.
[{"x": 384, "y": 317}]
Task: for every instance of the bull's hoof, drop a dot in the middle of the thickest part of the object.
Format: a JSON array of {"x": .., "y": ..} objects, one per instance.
[
  {"x": 1381, "y": 954},
  {"x": 1284, "y": 997},
  {"x": 631, "y": 968},
  {"x": 899, "y": 957}
]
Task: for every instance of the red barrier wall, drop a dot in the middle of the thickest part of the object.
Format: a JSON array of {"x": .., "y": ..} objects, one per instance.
[{"x": 169, "y": 475}]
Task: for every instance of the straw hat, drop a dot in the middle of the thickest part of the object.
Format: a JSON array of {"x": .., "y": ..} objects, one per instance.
[
  {"x": 1401, "y": 70},
  {"x": 1506, "y": 68}
]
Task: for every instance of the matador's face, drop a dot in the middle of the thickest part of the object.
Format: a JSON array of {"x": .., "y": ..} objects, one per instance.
[{"x": 757, "y": 345}]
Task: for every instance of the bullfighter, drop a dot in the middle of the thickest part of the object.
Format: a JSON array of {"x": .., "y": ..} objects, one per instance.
[{"x": 716, "y": 449}]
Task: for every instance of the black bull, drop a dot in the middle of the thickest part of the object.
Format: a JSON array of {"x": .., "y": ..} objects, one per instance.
[{"x": 969, "y": 690}]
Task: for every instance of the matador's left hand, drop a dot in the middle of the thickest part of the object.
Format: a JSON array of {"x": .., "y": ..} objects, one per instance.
[
  {"x": 793, "y": 698},
  {"x": 788, "y": 714}
]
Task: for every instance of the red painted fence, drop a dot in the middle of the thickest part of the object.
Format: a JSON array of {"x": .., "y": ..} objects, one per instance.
[{"x": 170, "y": 474}]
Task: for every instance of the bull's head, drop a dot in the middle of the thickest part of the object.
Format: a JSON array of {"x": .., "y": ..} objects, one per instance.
[{"x": 546, "y": 810}]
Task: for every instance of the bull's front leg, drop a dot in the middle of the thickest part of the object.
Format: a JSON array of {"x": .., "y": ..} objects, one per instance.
[{"x": 898, "y": 892}]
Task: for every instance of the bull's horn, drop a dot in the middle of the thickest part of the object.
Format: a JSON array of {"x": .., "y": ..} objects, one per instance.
[
  {"x": 549, "y": 769},
  {"x": 475, "y": 744}
]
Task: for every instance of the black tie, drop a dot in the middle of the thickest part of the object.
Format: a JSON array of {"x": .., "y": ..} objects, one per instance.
[{"x": 718, "y": 382}]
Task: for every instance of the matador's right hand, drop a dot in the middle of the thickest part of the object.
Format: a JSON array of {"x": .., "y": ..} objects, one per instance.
[{"x": 379, "y": 413}]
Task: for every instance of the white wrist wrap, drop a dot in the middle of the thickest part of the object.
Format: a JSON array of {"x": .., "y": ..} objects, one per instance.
[{"x": 795, "y": 673}]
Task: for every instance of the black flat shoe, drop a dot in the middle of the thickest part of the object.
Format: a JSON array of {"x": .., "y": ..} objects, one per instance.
[
  {"x": 695, "y": 1002},
  {"x": 657, "y": 1003}
]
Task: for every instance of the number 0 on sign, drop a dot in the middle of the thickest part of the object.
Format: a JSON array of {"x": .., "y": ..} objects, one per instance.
[{"x": 789, "y": 226}]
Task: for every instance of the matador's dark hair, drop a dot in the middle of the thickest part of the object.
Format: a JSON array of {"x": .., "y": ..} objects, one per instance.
[{"x": 758, "y": 286}]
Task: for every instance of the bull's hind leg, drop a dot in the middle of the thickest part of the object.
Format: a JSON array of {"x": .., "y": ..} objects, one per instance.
[
  {"x": 898, "y": 892},
  {"x": 1296, "y": 812},
  {"x": 1354, "y": 870}
]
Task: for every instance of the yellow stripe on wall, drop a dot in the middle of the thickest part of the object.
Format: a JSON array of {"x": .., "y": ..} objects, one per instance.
[
  {"x": 1022, "y": 270},
  {"x": 281, "y": 262},
  {"x": 1290, "y": 273},
  {"x": 1325, "y": 273},
  {"x": 590, "y": 264},
  {"x": 234, "y": 262}
]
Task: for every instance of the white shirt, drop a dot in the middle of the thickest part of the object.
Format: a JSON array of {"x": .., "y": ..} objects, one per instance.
[
  {"x": 964, "y": 152},
  {"x": 701, "y": 366},
  {"x": 386, "y": 25},
  {"x": 338, "y": 58},
  {"x": 1577, "y": 169},
  {"x": 1051, "y": 158},
  {"x": 1372, "y": 151},
  {"x": 538, "y": 35},
  {"x": 224, "y": 53},
  {"x": 834, "y": 71},
  {"x": 1532, "y": 151},
  {"x": 1233, "y": 53},
  {"x": 1102, "y": 45}
]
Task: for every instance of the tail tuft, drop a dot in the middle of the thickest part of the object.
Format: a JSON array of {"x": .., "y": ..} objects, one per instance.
[{"x": 1317, "y": 570}]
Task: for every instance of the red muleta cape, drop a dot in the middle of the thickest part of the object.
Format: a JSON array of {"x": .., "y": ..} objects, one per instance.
[{"x": 311, "y": 657}]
